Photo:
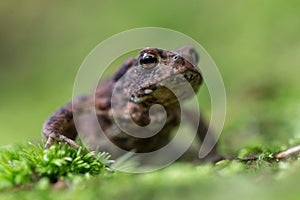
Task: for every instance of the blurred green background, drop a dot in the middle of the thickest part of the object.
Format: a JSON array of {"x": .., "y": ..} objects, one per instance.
[{"x": 255, "y": 44}]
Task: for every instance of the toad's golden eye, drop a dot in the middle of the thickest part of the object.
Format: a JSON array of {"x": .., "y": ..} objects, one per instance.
[{"x": 148, "y": 60}]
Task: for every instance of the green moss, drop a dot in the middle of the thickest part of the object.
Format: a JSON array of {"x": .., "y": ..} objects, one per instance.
[{"x": 30, "y": 163}]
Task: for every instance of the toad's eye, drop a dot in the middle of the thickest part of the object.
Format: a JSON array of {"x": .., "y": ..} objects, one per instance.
[{"x": 148, "y": 60}]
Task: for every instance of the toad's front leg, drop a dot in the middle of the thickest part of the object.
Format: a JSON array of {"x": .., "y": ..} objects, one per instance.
[
  {"x": 60, "y": 127},
  {"x": 203, "y": 133}
]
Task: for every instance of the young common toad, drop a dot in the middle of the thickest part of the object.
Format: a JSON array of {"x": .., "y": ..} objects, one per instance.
[{"x": 139, "y": 83}]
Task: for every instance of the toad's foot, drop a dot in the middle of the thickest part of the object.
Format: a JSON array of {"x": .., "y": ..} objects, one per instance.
[{"x": 53, "y": 136}]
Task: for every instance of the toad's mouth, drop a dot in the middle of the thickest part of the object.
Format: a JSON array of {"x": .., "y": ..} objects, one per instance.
[{"x": 168, "y": 90}]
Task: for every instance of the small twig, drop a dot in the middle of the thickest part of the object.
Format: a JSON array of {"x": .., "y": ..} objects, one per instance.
[
  {"x": 281, "y": 155},
  {"x": 288, "y": 152}
]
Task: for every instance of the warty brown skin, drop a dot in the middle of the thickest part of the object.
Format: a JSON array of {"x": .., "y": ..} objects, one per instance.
[{"x": 139, "y": 83}]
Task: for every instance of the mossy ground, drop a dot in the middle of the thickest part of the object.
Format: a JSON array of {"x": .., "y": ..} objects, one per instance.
[{"x": 61, "y": 172}]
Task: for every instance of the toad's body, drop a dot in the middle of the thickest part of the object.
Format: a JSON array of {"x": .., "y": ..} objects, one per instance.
[{"x": 126, "y": 97}]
